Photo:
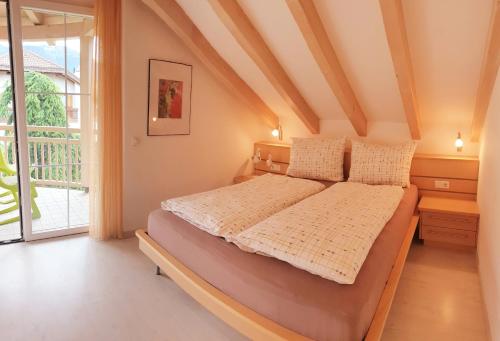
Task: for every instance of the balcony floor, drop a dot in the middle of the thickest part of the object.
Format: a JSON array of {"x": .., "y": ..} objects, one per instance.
[{"x": 53, "y": 205}]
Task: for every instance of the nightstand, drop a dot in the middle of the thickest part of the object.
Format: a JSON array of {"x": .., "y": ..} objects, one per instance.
[
  {"x": 243, "y": 178},
  {"x": 448, "y": 221}
]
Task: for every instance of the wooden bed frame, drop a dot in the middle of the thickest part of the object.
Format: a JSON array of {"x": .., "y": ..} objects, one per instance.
[
  {"x": 244, "y": 319},
  {"x": 461, "y": 173}
]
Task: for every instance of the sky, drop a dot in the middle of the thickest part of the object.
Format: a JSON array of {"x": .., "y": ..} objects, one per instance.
[
  {"x": 73, "y": 43},
  {"x": 54, "y": 52}
]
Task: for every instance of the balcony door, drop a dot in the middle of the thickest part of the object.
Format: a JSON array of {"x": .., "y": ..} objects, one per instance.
[
  {"x": 10, "y": 222},
  {"x": 52, "y": 49}
]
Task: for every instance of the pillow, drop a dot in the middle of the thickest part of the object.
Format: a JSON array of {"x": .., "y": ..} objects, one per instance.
[
  {"x": 381, "y": 165},
  {"x": 317, "y": 158}
]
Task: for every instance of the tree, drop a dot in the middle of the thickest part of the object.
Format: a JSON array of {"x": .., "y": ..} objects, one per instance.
[{"x": 43, "y": 106}]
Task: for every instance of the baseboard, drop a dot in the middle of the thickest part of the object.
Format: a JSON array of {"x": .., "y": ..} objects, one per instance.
[{"x": 128, "y": 234}]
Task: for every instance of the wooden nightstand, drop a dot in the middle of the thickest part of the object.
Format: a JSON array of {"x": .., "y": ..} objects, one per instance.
[
  {"x": 448, "y": 221},
  {"x": 243, "y": 178}
]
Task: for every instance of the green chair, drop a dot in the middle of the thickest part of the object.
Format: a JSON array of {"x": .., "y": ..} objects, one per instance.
[
  {"x": 8, "y": 170},
  {"x": 8, "y": 181}
]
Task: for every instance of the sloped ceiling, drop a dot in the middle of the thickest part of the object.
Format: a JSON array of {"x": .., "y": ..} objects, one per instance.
[
  {"x": 274, "y": 21},
  {"x": 447, "y": 39},
  {"x": 357, "y": 31},
  {"x": 447, "y": 42}
]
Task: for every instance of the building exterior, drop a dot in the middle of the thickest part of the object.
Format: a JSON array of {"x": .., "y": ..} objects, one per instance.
[{"x": 56, "y": 72}]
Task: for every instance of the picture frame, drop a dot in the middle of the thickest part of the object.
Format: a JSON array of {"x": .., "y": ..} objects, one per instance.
[{"x": 169, "y": 98}]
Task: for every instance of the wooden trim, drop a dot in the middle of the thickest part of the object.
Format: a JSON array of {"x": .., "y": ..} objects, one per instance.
[
  {"x": 238, "y": 23},
  {"x": 423, "y": 165},
  {"x": 262, "y": 166},
  {"x": 309, "y": 22},
  {"x": 35, "y": 18},
  {"x": 445, "y": 167},
  {"x": 461, "y": 172},
  {"x": 279, "y": 151},
  {"x": 54, "y": 6},
  {"x": 395, "y": 29},
  {"x": 448, "y": 206},
  {"x": 242, "y": 178},
  {"x": 247, "y": 321},
  {"x": 260, "y": 172},
  {"x": 489, "y": 69},
  {"x": 446, "y": 157},
  {"x": 384, "y": 305},
  {"x": 456, "y": 185},
  {"x": 451, "y": 195},
  {"x": 238, "y": 316},
  {"x": 175, "y": 18},
  {"x": 44, "y": 32}
]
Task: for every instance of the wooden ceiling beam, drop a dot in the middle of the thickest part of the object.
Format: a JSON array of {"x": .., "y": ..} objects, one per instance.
[
  {"x": 309, "y": 22},
  {"x": 178, "y": 21},
  {"x": 51, "y": 32},
  {"x": 489, "y": 69},
  {"x": 238, "y": 23},
  {"x": 395, "y": 29},
  {"x": 35, "y": 17}
]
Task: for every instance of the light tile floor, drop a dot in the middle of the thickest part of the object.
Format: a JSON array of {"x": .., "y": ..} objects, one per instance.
[
  {"x": 53, "y": 205},
  {"x": 438, "y": 298},
  {"x": 76, "y": 288}
]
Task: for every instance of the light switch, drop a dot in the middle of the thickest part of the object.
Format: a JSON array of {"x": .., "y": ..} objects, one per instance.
[
  {"x": 135, "y": 141},
  {"x": 275, "y": 167},
  {"x": 442, "y": 184}
]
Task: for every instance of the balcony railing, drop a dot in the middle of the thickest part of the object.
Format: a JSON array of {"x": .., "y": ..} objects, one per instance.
[{"x": 54, "y": 161}]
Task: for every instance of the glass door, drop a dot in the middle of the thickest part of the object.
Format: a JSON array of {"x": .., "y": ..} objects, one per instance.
[
  {"x": 53, "y": 47},
  {"x": 10, "y": 222}
]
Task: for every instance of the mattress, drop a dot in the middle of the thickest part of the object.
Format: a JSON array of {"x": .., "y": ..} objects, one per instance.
[{"x": 305, "y": 303}]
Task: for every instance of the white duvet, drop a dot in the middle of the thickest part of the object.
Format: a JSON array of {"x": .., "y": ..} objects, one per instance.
[
  {"x": 328, "y": 234},
  {"x": 227, "y": 211}
]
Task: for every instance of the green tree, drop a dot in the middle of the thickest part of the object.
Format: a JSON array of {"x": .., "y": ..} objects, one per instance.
[{"x": 43, "y": 108}]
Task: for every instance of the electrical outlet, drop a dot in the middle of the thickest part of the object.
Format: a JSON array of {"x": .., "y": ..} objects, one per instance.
[
  {"x": 275, "y": 167},
  {"x": 442, "y": 184}
]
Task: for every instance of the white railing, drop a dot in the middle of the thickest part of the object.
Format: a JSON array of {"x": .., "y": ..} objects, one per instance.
[{"x": 54, "y": 161}]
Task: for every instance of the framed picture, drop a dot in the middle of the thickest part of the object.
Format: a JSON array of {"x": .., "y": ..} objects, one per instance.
[{"x": 169, "y": 106}]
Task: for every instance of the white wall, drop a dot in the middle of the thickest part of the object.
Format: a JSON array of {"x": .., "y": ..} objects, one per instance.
[
  {"x": 489, "y": 198},
  {"x": 438, "y": 139},
  {"x": 223, "y": 129}
]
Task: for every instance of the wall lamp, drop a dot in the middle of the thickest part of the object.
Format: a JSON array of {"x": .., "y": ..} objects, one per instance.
[
  {"x": 278, "y": 132},
  {"x": 459, "y": 143}
]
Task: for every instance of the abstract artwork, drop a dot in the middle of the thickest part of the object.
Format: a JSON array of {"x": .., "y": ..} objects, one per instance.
[
  {"x": 169, "y": 108},
  {"x": 170, "y": 99}
]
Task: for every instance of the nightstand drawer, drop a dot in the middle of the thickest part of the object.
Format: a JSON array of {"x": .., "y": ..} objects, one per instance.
[
  {"x": 446, "y": 235},
  {"x": 452, "y": 221}
]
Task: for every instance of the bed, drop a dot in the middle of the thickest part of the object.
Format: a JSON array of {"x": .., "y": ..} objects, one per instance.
[
  {"x": 229, "y": 210},
  {"x": 265, "y": 298}
]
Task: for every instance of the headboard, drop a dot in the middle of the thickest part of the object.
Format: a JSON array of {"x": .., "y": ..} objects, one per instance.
[{"x": 428, "y": 172}]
